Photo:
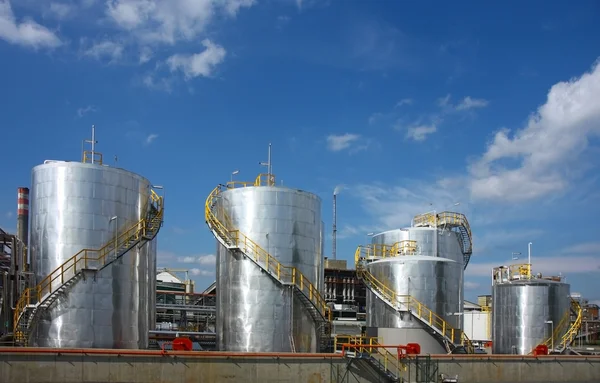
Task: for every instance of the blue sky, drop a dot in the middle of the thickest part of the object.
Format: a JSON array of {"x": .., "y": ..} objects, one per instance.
[{"x": 408, "y": 106}]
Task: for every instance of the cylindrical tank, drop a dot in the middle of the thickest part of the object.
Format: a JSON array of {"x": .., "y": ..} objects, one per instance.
[
  {"x": 255, "y": 313},
  {"x": 73, "y": 206},
  {"x": 435, "y": 281},
  {"x": 526, "y": 312}
]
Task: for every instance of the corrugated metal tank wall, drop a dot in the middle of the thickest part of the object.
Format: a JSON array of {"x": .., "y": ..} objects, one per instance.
[
  {"x": 437, "y": 282},
  {"x": 254, "y": 312},
  {"x": 520, "y": 310},
  {"x": 71, "y": 207}
]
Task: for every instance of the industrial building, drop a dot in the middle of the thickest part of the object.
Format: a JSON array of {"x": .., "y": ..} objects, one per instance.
[{"x": 80, "y": 272}]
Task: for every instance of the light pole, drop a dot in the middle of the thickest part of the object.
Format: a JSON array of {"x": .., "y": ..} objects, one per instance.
[
  {"x": 116, "y": 219},
  {"x": 529, "y": 253},
  {"x": 234, "y": 173},
  {"x": 552, "y": 333}
]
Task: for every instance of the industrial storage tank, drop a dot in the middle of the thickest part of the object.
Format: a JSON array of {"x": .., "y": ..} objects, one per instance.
[
  {"x": 75, "y": 206},
  {"x": 431, "y": 272},
  {"x": 256, "y": 313},
  {"x": 527, "y": 310}
]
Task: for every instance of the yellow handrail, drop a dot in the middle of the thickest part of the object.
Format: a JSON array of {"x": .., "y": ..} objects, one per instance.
[
  {"x": 409, "y": 303},
  {"x": 284, "y": 274},
  {"x": 85, "y": 258},
  {"x": 373, "y": 347},
  {"x": 406, "y": 247},
  {"x": 447, "y": 218},
  {"x": 574, "y": 329}
]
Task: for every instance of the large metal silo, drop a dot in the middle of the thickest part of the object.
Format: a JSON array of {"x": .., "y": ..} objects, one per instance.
[
  {"x": 526, "y": 311},
  {"x": 255, "y": 313},
  {"x": 73, "y": 206},
  {"x": 434, "y": 281}
]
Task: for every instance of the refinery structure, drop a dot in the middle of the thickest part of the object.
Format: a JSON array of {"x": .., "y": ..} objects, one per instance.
[{"x": 80, "y": 273}]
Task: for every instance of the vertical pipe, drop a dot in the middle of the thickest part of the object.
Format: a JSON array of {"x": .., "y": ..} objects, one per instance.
[
  {"x": 93, "y": 141},
  {"x": 333, "y": 239},
  {"x": 269, "y": 168}
]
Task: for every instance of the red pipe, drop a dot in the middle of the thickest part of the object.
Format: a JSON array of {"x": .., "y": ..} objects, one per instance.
[{"x": 98, "y": 351}]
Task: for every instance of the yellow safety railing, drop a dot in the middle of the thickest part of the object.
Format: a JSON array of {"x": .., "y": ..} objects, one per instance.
[
  {"x": 512, "y": 272},
  {"x": 406, "y": 247},
  {"x": 575, "y": 326},
  {"x": 559, "y": 328},
  {"x": 263, "y": 179},
  {"x": 447, "y": 218},
  {"x": 372, "y": 347},
  {"x": 89, "y": 157},
  {"x": 87, "y": 258},
  {"x": 342, "y": 339},
  {"x": 417, "y": 308},
  {"x": 284, "y": 274}
]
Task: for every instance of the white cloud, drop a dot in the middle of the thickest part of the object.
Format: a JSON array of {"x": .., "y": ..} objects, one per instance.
[
  {"x": 169, "y": 21},
  {"x": 404, "y": 101},
  {"x": 60, "y": 10},
  {"x": 202, "y": 272},
  {"x": 467, "y": 103},
  {"x": 471, "y": 103},
  {"x": 394, "y": 206},
  {"x": 546, "y": 150},
  {"x": 546, "y": 265},
  {"x": 106, "y": 49},
  {"x": 472, "y": 285},
  {"x": 420, "y": 133},
  {"x": 145, "y": 55},
  {"x": 27, "y": 33},
  {"x": 85, "y": 110},
  {"x": 200, "y": 64},
  {"x": 336, "y": 143},
  {"x": 205, "y": 260},
  {"x": 150, "y": 138}
]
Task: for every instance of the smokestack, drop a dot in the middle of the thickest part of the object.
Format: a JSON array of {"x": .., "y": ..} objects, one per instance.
[
  {"x": 333, "y": 244},
  {"x": 23, "y": 214}
]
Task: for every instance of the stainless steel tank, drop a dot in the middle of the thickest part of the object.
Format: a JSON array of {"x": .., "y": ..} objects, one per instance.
[
  {"x": 435, "y": 281},
  {"x": 254, "y": 312},
  {"x": 525, "y": 313},
  {"x": 72, "y": 205}
]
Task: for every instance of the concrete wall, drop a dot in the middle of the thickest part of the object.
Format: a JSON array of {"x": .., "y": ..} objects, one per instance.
[
  {"x": 508, "y": 369},
  {"x": 151, "y": 367},
  {"x": 105, "y": 366}
]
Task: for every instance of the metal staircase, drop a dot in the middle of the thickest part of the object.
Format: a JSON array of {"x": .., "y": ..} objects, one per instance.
[
  {"x": 42, "y": 296},
  {"x": 446, "y": 334},
  {"x": 220, "y": 225},
  {"x": 450, "y": 220},
  {"x": 565, "y": 340},
  {"x": 368, "y": 349}
]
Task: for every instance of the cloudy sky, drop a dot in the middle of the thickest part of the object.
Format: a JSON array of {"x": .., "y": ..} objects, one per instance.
[{"x": 409, "y": 107}]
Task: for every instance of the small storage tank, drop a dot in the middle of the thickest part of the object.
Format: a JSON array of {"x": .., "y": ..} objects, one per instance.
[
  {"x": 255, "y": 313},
  {"x": 435, "y": 281},
  {"x": 72, "y": 208},
  {"x": 526, "y": 310}
]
